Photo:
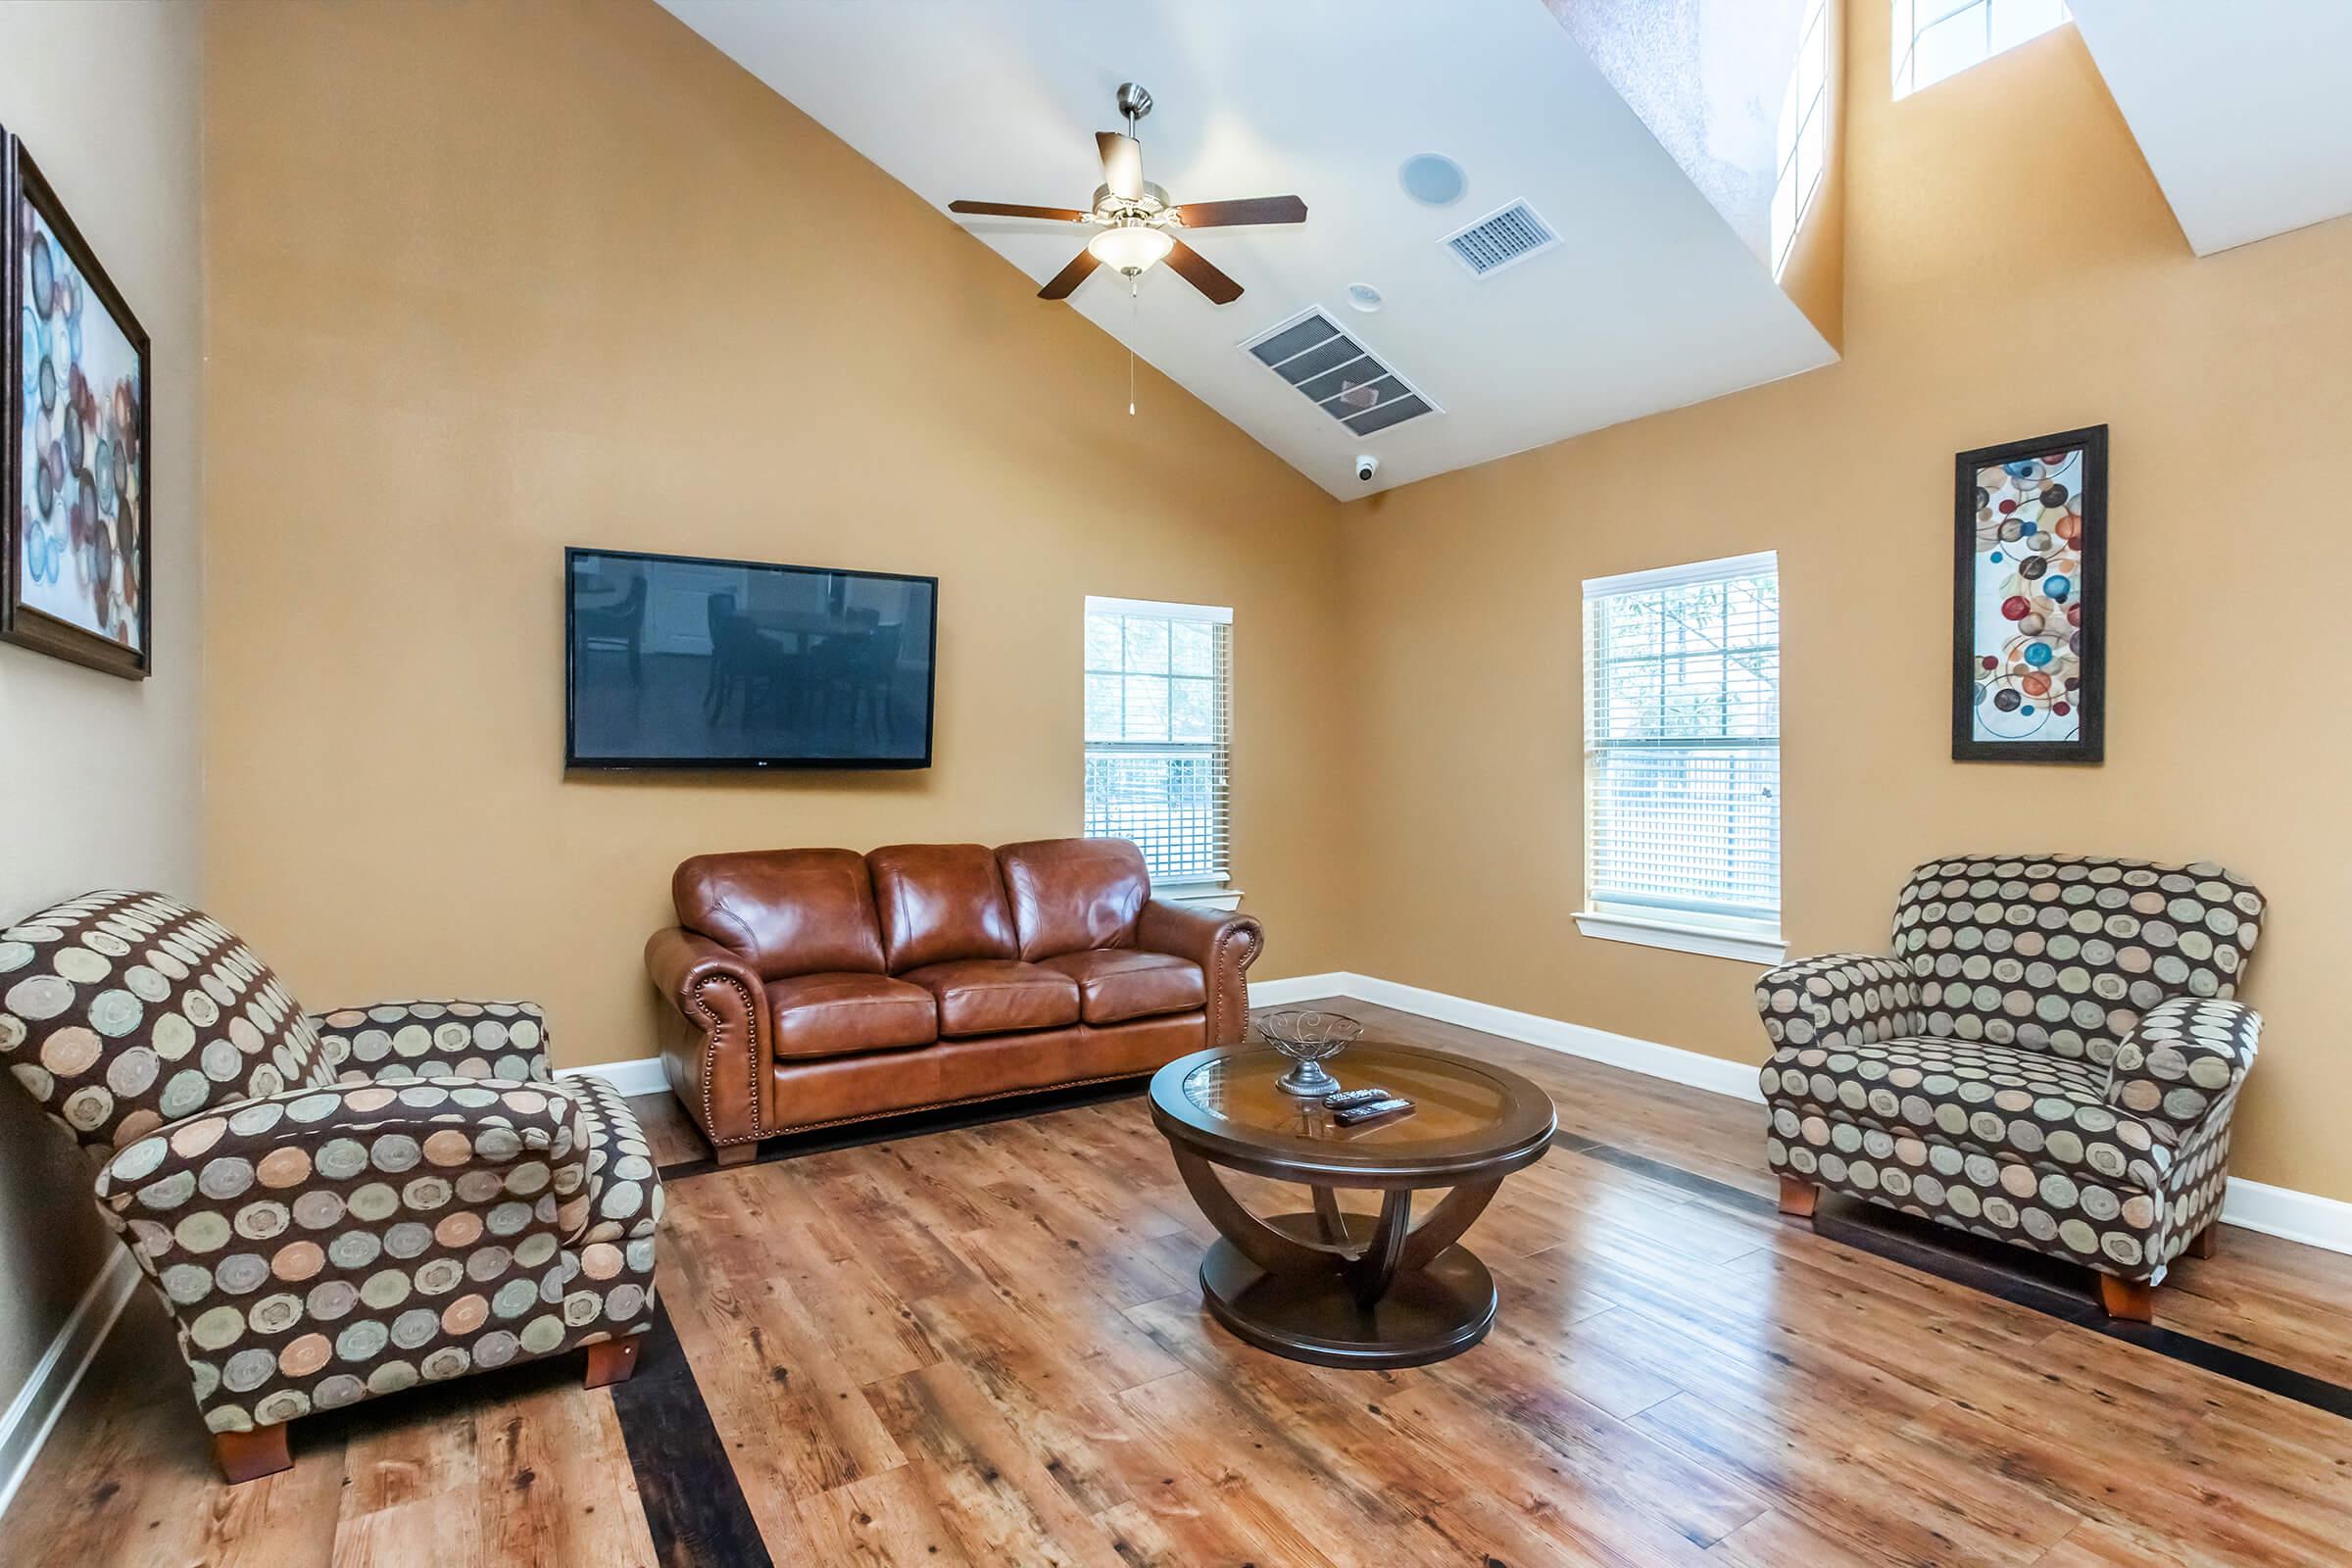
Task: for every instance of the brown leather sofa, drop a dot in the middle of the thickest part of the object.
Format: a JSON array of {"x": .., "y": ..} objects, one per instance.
[{"x": 808, "y": 988}]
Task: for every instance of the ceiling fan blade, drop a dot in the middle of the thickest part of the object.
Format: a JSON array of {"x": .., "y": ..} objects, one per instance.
[
  {"x": 1196, "y": 270},
  {"x": 1063, "y": 215},
  {"x": 1254, "y": 210},
  {"x": 1122, "y": 164},
  {"x": 1070, "y": 278}
]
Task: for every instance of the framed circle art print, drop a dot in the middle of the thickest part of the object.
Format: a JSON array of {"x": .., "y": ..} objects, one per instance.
[
  {"x": 2030, "y": 600},
  {"x": 75, "y": 549}
]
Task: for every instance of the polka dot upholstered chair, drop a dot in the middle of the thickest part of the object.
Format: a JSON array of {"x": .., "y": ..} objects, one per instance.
[
  {"x": 336, "y": 1207},
  {"x": 2050, "y": 1057}
]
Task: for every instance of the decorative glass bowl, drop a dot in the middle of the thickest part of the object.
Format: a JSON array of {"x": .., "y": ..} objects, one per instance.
[{"x": 1307, "y": 1036}]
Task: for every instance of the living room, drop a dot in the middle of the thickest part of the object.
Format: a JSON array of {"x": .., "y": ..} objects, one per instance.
[{"x": 580, "y": 504}]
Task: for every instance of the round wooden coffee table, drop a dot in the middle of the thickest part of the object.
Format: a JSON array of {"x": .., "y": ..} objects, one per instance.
[{"x": 1335, "y": 1288}]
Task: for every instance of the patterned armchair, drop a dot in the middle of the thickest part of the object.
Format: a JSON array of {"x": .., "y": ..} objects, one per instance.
[
  {"x": 330, "y": 1208},
  {"x": 2051, "y": 1058}
]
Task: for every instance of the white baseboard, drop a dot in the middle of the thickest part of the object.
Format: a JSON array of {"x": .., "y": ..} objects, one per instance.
[
  {"x": 2287, "y": 1214},
  {"x": 25, "y": 1425},
  {"x": 1646, "y": 1056},
  {"x": 639, "y": 1075},
  {"x": 1298, "y": 988},
  {"x": 2280, "y": 1211}
]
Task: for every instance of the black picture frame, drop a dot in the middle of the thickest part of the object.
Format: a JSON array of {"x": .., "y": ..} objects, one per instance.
[
  {"x": 23, "y": 186},
  {"x": 575, "y": 761},
  {"x": 2089, "y": 694}
]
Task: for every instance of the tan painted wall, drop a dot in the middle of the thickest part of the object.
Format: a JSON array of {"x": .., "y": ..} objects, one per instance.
[
  {"x": 100, "y": 787},
  {"x": 2011, "y": 268},
  {"x": 491, "y": 278},
  {"x": 486, "y": 280}
]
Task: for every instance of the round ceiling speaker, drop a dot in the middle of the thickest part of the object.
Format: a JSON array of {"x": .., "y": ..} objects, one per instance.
[{"x": 1432, "y": 179}]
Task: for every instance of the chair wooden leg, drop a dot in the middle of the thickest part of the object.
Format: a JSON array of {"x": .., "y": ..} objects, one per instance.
[
  {"x": 734, "y": 1153},
  {"x": 2128, "y": 1300},
  {"x": 249, "y": 1455},
  {"x": 1798, "y": 1197},
  {"x": 613, "y": 1361},
  {"x": 2207, "y": 1241}
]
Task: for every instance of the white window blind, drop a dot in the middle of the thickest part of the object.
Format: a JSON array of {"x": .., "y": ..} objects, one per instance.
[
  {"x": 1159, "y": 705},
  {"x": 1683, "y": 738}
]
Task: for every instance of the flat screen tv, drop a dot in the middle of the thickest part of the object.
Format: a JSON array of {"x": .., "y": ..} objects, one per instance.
[{"x": 680, "y": 662}]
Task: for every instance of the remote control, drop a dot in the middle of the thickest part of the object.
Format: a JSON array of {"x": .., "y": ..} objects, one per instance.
[
  {"x": 1346, "y": 1098},
  {"x": 1357, "y": 1115}
]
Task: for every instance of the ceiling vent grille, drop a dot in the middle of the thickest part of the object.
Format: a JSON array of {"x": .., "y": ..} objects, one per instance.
[
  {"x": 1502, "y": 239},
  {"x": 1338, "y": 374}
]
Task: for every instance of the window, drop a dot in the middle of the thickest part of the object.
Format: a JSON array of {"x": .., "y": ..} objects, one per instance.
[
  {"x": 1683, "y": 758},
  {"x": 1158, "y": 690},
  {"x": 1938, "y": 38},
  {"x": 1804, "y": 135}
]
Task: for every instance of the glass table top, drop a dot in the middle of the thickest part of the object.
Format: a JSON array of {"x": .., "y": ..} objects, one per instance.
[{"x": 1452, "y": 1099}]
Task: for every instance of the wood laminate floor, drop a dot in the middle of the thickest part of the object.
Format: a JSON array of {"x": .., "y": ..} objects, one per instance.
[{"x": 985, "y": 1345}]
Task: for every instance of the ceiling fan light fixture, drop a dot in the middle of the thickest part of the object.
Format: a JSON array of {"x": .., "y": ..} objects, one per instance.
[
  {"x": 1131, "y": 248},
  {"x": 1137, "y": 215}
]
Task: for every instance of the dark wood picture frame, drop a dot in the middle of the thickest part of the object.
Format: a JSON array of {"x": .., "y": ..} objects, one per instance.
[
  {"x": 22, "y": 185},
  {"x": 2091, "y": 692}
]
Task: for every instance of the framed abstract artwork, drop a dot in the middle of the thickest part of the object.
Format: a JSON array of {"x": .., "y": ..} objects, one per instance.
[
  {"x": 2029, "y": 601},
  {"x": 75, "y": 546}
]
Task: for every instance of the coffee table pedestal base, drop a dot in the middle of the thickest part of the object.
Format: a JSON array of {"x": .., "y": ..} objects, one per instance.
[{"x": 1426, "y": 1314}]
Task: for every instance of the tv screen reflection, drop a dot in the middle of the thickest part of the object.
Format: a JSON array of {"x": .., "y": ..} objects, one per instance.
[{"x": 681, "y": 662}]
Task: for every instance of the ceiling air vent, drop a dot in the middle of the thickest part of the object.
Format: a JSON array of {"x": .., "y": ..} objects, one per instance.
[
  {"x": 1500, "y": 239},
  {"x": 1338, "y": 374}
]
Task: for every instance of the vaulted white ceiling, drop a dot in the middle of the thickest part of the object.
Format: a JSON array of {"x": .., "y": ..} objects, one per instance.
[
  {"x": 1653, "y": 299},
  {"x": 2243, "y": 110}
]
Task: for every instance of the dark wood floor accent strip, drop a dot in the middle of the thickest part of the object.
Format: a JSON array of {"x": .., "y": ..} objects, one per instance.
[
  {"x": 2039, "y": 1283},
  {"x": 694, "y": 1505},
  {"x": 917, "y": 1124},
  {"x": 1657, "y": 1170},
  {"x": 2236, "y": 1365}
]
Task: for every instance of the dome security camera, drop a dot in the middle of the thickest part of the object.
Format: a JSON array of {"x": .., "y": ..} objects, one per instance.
[{"x": 1366, "y": 466}]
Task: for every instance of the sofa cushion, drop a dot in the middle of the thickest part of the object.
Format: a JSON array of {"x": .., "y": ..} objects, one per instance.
[
  {"x": 836, "y": 1015},
  {"x": 807, "y": 1091},
  {"x": 1073, "y": 895},
  {"x": 789, "y": 911},
  {"x": 1115, "y": 985},
  {"x": 2066, "y": 953},
  {"x": 940, "y": 903},
  {"x": 995, "y": 995},
  {"x": 1999, "y": 1103},
  {"x": 122, "y": 1011}
]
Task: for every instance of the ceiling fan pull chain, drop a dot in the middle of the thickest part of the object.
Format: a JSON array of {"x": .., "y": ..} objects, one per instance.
[{"x": 1134, "y": 316}]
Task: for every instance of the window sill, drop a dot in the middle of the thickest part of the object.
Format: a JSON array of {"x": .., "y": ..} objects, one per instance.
[
  {"x": 1201, "y": 894},
  {"x": 1712, "y": 942}
]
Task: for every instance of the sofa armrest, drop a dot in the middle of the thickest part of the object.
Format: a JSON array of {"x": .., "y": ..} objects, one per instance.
[
  {"x": 394, "y": 1042},
  {"x": 1839, "y": 998},
  {"x": 714, "y": 1043},
  {"x": 1223, "y": 944},
  {"x": 257, "y": 1221},
  {"x": 2186, "y": 1058}
]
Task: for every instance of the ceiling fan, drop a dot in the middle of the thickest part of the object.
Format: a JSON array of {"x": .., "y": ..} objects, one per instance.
[{"x": 1138, "y": 221}]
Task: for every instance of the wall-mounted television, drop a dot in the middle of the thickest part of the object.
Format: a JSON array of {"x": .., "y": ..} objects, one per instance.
[{"x": 682, "y": 661}]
